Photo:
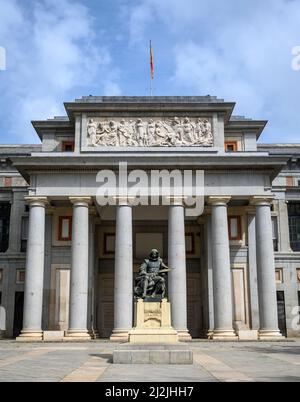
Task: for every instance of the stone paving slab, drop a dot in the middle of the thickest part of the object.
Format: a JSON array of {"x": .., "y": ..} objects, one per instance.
[{"x": 213, "y": 362}]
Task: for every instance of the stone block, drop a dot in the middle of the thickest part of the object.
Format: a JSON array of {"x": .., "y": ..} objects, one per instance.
[
  {"x": 140, "y": 357},
  {"x": 150, "y": 354},
  {"x": 122, "y": 357},
  {"x": 53, "y": 336},
  {"x": 248, "y": 335},
  {"x": 160, "y": 357},
  {"x": 181, "y": 357}
]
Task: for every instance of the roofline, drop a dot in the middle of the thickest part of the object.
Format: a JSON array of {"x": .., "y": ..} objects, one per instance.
[
  {"x": 250, "y": 125},
  {"x": 118, "y": 107},
  {"x": 43, "y": 126}
]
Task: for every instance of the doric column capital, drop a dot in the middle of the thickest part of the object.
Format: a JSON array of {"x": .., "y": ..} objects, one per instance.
[
  {"x": 124, "y": 201},
  {"x": 176, "y": 200},
  {"x": 81, "y": 201},
  {"x": 261, "y": 200},
  {"x": 219, "y": 200},
  {"x": 34, "y": 201}
]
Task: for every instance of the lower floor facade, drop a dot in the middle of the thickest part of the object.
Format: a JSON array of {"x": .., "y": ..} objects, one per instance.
[{"x": 226, "y": 283}]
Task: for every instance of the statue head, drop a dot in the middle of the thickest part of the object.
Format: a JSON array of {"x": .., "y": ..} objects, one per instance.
[{"x": 154, "y": 254}]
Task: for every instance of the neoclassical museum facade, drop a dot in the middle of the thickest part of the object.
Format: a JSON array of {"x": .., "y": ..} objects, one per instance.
[{"x": 68, "y": 263}]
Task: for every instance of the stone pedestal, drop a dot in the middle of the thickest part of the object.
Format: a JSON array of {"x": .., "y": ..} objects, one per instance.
[
  {"x": 153, "y": 323},
  {"x": 153, "y": 354}
]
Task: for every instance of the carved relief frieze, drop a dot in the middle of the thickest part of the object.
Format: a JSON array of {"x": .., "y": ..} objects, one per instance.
[{"x": 172, "y": 132}]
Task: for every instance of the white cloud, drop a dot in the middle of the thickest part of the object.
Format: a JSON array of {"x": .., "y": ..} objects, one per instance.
[
  {"x": 52, "y": 52},
  {"x": 239, "y": 50}
]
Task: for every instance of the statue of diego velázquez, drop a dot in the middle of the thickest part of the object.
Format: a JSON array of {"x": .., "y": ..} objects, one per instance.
[{"x": 150, "y": 282}]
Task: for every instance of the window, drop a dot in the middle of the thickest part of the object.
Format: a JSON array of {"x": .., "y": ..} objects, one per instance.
[
  {"x": 1, "y": 275},
  {"x": 4, "y": 226},
  {"x": 235, "y": 227},
  {"x": 190, "y": 243},
  {"x": 65, "y": 228},
  {"x": 281, "y": 312},
  {"x": 230, "y": 146},
  {"x": 67, "y": 146},
  {"x": 294, "y": 225},
  {"x": 289, "y": 181},
  {"x": 275, "y": 232},
  {"x": 7, "y": 181},
  {"x": 24, "y": 234},
  {"x": 20, "y": 276},
  {"x": 279, "y": 275},
  {"x": 298, "y": 276}
]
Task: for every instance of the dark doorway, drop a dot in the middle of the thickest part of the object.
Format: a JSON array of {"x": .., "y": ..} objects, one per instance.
[
  {"x": 4, "y": 226},
  {"x": 281, "y": 312},
  {"x": 18, "y": 314}
]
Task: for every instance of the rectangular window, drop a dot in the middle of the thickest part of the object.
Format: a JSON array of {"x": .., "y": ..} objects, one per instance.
[
  {"x": 4, "y": 226},
  {"x": 20, "y": 276},
  {"x": 24, "y": 233},
  {"x": 7, "y": 181},
  {"x": 294, "y": 225},
  {"x": 1, "y": 275},
  {"x": 67, "y": 146},
  {"x": 231, "y": 146},
  {"x": 190, "y": 243},
  {"x": 279, "y": 275},
  {"x": 289, "y": 181},
  {"x": 281, "y": 312},
  {"x": 275, "y": 232},
  {"x": 65, "y": 228},
  {"x": 235, "y": 227}
]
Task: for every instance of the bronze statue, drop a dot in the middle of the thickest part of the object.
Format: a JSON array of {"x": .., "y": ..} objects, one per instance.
[{"x": 150, "y": 282}]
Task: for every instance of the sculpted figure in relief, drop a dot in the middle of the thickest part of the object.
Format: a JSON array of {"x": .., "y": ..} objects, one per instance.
[
  {"x": 172, "y": 132},
  {"x": 92, "y": 132}
]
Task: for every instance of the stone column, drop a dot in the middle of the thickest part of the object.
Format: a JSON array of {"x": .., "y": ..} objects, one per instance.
[
  {"x": 177, "y": 277},
  {"x": 252, "y": 271},
  {"x": 123, "y": 289},
  {"x": 222, "y": 286},
  {"x": 266, "y": 283},
  {"x": 79, "y": 270},
  {"x": 34, "y": 282}
]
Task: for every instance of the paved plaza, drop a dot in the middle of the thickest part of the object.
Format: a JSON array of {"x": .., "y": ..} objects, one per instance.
[{"x": 92, "y": 362}]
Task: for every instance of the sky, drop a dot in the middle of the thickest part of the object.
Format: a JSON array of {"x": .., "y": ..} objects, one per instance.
[{"x": 239, "y": 50}]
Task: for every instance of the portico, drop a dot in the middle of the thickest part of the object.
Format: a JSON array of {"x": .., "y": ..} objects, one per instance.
[
  {"x": 82, "y": 256},
  {"x": 217, "y": 255}
]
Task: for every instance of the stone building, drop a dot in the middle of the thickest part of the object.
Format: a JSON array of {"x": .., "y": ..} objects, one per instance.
[{"x": 236, "y": 265}]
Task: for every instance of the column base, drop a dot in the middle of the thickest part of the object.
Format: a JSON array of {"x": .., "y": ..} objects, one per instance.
[
  {"x": 269, "y": 335},
  {"x": 94, "y": 333},
  {"x": 183, "y": 335},
  {"x": 77, "y": 336},
  {"x": 119, "y": 335},
  {"x": 224, "y": 335},
  {"x": 210, "y": 334},
  {"x": 30, "y": 336}
]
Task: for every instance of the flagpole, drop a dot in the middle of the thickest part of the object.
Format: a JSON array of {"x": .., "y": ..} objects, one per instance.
[{"x": 151, "y": 69}]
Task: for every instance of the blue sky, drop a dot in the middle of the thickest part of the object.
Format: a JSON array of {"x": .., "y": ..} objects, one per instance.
[{"x": 239, "y": 50}]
